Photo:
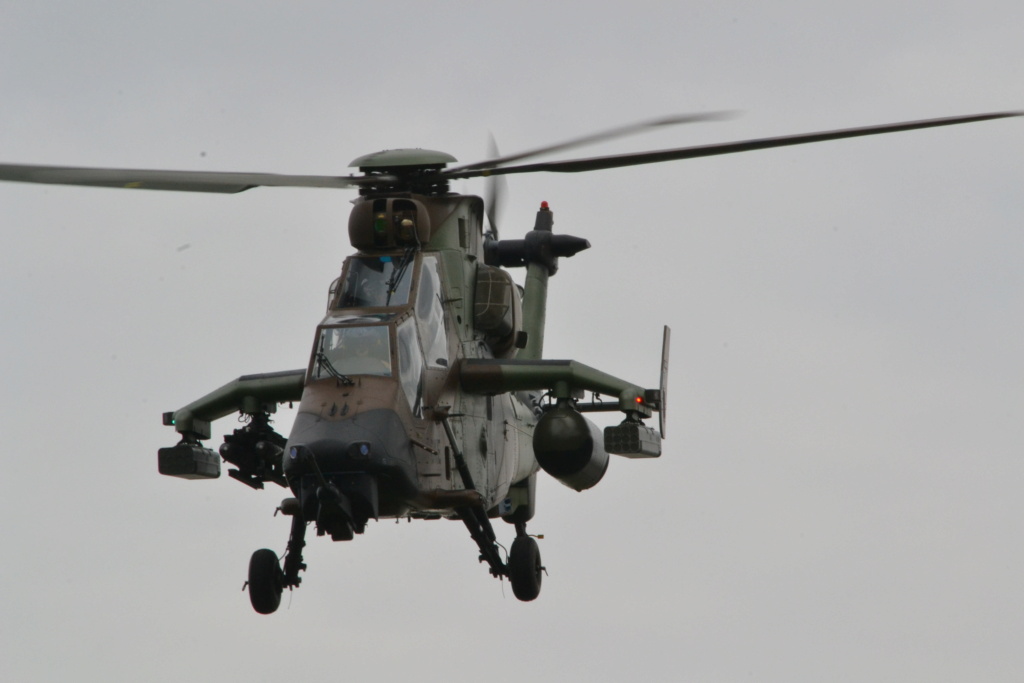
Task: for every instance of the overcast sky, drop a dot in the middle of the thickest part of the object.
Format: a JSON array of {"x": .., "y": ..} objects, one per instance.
[{"x": 839, "y": 497}]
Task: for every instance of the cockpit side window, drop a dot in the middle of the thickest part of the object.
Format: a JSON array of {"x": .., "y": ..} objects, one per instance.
[
  {"x": 343, "y": 351},
  {"x": 410, "y": 367},
  {"x": 430, "y": 314},
  {"x": 376, "y": 282}
]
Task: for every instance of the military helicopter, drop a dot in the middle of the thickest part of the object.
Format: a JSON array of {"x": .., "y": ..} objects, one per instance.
[{"x": 426, "y": 394}]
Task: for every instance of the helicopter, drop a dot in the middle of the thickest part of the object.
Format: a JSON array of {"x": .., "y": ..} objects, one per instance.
[{"x": 426, "y": 394}]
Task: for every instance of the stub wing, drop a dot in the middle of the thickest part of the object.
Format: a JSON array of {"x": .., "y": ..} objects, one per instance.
[
  {"x": 255, "y": 448},
  {"x": 247, "y": 394},
  {"x": 568, "y": 380}
]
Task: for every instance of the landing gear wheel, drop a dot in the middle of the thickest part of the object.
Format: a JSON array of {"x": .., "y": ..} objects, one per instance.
[
  {"x": 266, "y": 581},
  {"x": 524, "y": 568}
]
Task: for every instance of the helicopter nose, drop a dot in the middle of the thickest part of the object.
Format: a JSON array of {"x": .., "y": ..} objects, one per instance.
[
  {"x": 369, "y": 453},
  {"x": 367, "y": 441},
  {"x": 336, "y": 454}
]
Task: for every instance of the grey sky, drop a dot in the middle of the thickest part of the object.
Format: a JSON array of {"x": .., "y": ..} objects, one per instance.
[{"x": 839, "y": 498}]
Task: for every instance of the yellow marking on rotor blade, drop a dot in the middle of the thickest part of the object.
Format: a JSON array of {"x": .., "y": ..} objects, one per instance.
[{"x": 134, "y": 184}]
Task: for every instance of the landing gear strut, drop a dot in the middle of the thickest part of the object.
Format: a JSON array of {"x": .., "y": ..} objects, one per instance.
[{"x": 524, "y": 569}]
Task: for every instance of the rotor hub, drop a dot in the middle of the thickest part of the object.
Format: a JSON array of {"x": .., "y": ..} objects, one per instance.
[{"x": 417, "y": 171}]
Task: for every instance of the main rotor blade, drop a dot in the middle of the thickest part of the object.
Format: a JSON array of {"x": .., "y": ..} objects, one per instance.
[
  {"x": 592, "y": 138},
  {"x": 183, "y": 181},
  {"x": 635, "y": 159}
]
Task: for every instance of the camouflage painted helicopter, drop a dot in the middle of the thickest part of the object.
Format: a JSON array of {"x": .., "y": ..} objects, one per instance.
[{"x": 426, "y": 395}]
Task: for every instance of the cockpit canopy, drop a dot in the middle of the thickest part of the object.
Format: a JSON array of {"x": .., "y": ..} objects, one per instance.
[
  {"x": 352, "y": 350},
  {"x": 386, "y": 319},
  {"x": 375, "y": 282}
]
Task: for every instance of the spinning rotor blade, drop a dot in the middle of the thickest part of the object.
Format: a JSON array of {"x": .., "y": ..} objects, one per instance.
[
  {"x": 183, "y": 181},
  {"x": 618, "y": 131},
  {"x": 635, "y": 159},
  {"x": 666, "y": 338},
  {"x": 497, "y": 188}
]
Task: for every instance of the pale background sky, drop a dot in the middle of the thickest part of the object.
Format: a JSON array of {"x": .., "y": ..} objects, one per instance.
[{"x": 840, "y": 494}]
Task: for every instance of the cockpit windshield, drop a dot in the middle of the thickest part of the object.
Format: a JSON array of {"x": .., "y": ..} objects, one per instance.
[
  {"x": 375, "y": 282},
  {"x": 343, "y": 351}
]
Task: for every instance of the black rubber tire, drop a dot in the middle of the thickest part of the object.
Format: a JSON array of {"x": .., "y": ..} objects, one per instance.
[
  {"x": 524, "y": 568},
  {"x": 266, "y": 581}
]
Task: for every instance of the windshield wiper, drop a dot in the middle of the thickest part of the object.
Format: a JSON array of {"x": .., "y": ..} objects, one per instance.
[
  {"x": 399, "y": 273},
  {"x": 324, "y": 364}
]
